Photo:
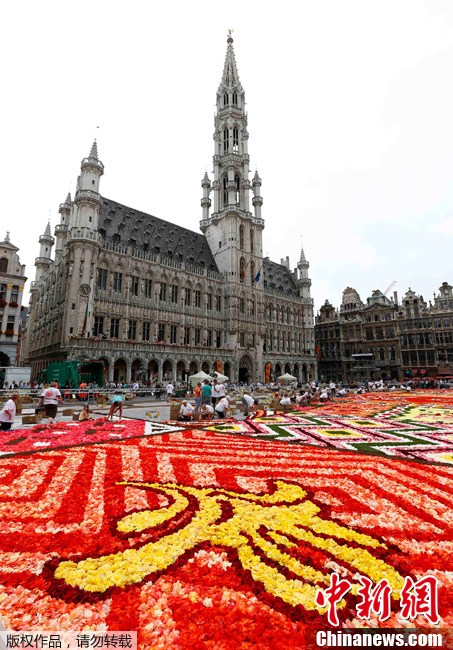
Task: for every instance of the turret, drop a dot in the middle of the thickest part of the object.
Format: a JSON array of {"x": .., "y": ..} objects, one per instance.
[
  {"x": 304, "y": 281},
  {"x": 61, "y": 229},
  {"x": 257, "y": 200},
  {"x": 206, "y": 201},
  {"x": 42, "y": 263},
  {"x": 87, "y": 201}
]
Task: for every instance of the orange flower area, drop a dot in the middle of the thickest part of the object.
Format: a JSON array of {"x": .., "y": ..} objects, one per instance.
[
  {"x": 368, "y": 404},
  {"x": 202, "y": 540}
]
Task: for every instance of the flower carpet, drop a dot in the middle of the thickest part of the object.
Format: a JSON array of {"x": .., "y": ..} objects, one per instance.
[
  {"x": 66, "y": 434},
  {"x": 416, "y": 426},
  {"x": 197, "y": 538}
]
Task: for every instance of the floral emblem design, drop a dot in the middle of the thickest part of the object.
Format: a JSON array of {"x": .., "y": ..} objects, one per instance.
[{"x": 261, "y": 528}]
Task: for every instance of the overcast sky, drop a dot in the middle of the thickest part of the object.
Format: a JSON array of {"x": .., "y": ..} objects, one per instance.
[{"x": 350, "y": 108}]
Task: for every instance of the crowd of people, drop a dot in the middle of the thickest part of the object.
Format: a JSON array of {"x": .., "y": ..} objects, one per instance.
[{"x": 209, "y": 399}]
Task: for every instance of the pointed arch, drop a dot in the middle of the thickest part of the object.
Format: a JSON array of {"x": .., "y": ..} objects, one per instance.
[
  {"x": 242, "y": 270},
  {"x": 226, "y": 139},
  {"x": 241, "y": 237},
  {"x": 236, "y": 138},
  {"x": 225, "y": 190},
  {"x": 237, "y": 188}
]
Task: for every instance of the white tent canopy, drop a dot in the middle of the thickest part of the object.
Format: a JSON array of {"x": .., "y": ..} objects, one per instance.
[
  {"x": 200, "y": 376},
  {"x": 221, "y": 378},
  {"x": 286, "y": 377}
]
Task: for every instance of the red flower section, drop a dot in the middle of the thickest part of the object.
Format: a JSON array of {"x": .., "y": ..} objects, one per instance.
[{"x": 202, "y": 539}]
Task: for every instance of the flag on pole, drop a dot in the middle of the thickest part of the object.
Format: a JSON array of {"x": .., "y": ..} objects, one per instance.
[
  {"x": 258, "y": 275},
  {"x": 85, "y": 321}
]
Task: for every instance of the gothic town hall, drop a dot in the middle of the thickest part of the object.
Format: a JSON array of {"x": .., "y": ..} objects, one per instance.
[{"x": 156, "y": 301}]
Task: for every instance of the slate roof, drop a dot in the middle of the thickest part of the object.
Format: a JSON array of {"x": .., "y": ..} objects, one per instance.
[
  {"x": 278, "y": 278},
  {"x": 123, "y": 225}
]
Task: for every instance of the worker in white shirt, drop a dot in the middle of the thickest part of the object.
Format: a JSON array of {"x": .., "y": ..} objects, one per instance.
[
  {"x": 206, "y": 411},
  {"x": 185, "y": 412},
  {"x": 221, "y": 407},
  {"x": 8, "y": 413},
  {"x": 247, "y": 402},
  {"x": 214, "y": 392},
  {"x": 51, "y": 397}
]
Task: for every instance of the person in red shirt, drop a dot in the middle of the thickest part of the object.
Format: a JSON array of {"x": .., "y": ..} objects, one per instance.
[{"x": 197, "y": 394}]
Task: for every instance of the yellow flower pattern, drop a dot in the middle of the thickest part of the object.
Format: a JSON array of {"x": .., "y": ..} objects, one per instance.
[{"x": 286, "y": 515}]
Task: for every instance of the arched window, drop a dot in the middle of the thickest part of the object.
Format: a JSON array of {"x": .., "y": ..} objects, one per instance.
[
  {"x": 241, "y": 237},
  {"x": 225, "y": 190},
  {"x": 252, "y": 272},
  {"x": 392, "y": 354},
  {"x": 225, "y": 99},
  {"x": 235, "y": 139},
  {"x": 3, "y": 265},
  {"x": 235, "y": 99},
  {"x": 237, "y": 183},
  {"x": 226, "y": 139},
  {"x": 252, "y": 241},
  {"x": 381, "y": 354},
  {"x": 242, "y": 269},
  {"x": 269, "y": 312}
]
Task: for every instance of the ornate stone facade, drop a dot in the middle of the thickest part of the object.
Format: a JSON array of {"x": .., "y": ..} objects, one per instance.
[
  {"x": 12, "y": 280},
  {"x": 406, "y": 340},
  {"x": 156, "y": 301}
]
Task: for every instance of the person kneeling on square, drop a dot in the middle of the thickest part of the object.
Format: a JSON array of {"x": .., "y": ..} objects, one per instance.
[
  {"x": 221, "y": 407},
  {"x": 185, "y": 412}
]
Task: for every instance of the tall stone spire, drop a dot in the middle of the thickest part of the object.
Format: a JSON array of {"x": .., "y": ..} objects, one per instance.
[
  {"x": 304, "y": 281},
  {"x": 231, "y": 187},
  {"x": 230, "y": 76},
  {"x": 303, "y": 259},
  {"x": 232, "y": 230},
  {"x": 94, "y": 151}
]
